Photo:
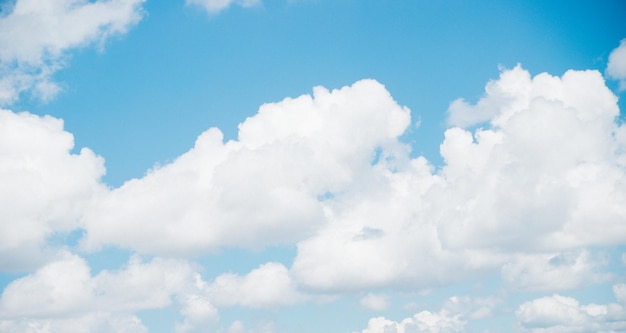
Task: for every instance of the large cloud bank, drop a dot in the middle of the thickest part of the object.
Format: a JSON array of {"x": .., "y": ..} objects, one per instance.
[
  {"x": 534, "y": 179},
  {"x": 265, "y": 188},
  {"x": 544, "y": 174}
]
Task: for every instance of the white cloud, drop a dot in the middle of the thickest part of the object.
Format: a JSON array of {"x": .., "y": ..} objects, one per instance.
[
  {"x": 216, "y": 6},
  {"x": 562, "y": 314},
  {"x": 375, "y": 302},
  {"x": 66, "y": 289},
  {"x": 425, "y": 321},
  {"x": 64, "y": 293},
  {"x": 98, "y": 322},
  {"x": 265, "y": 188},
  {"x": 509, "y": 91},
  {"x": 328, "y": 171},
  {"x": 551, "y": 172},
  {"x": 269, "y": 285},
  {"x": 472, "y": 307},
  {"x": 312, "y": 169},
  {"x": 551, "y": 272},
  {"x": 198, "y": 312},
  {"x": 36, "y": 36},
  {"x": 377, "y": 235},
  {"x": 453, "y": 317},
  {"x": 261, "y": 327},
  {"x": 546, "y": 174},
  {"x": 60, "y": 287},
  {"x": 616, "y": 67},
  {"x": 583, "y": 92},
  {"x": 145, "y": 285},
  {"x": 236, "y": 327},
  {"x": 44, "y": 186}
]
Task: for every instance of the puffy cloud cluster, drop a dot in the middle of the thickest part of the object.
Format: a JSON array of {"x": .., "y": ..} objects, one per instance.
[
  {"x": 534, "y": 174},
  {"x": 560, "y": 314},
  {"x": 545, "y": 174},
  {"x": 45, "y": 187},
  {"x": 548, "y": 173},
  {"x": 35, "y": 37},
  {"x": 425, "y": 321},
  {"x": 253, "y": 184},
  {"x": 216, "y": 6},
  {"x": 327, "y": 171},
  {"x": 267, "y": 187},
  {"x": 65, "y": 289},
  {"x": 543, "y": 178},
  {"x": 551, "y": 272},
  {"x": 452, "y": 317},
  {"x": 266, "y": 286}
]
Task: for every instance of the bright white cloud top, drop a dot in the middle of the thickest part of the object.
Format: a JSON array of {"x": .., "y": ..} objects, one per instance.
[{"x": 321, "y": 205}]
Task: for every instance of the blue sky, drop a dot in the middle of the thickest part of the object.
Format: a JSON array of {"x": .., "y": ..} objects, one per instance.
[{"x": 312, "y": 166}]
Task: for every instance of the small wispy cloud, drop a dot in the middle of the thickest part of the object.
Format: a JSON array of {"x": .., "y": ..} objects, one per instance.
[
  {"x": 36, "y": 37},
  {"x": 216, "y": 6},
  {"x": 616, "y": 67}
]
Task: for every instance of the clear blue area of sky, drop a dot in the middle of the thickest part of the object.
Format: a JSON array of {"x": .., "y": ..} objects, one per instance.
[{"x": 145, "y": 97}]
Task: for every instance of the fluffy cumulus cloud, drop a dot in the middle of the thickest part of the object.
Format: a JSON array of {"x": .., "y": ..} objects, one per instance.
[
  {"x": 452, "y": 317},
  {"x": 534, "y": 173},
  {"x": 551, "y": 272},
  {"x": 544, "y": 177},
  {"x": 266, "y": 286},
  {"x": 548, "y": 171},
  {"x": 560, "y": 314},
  {"x": 35, "y": 37},
  {"x": 216, "y": 6},
  {"x": 533, "y": 185},
  {"x": 616, "y": 68},
  {"x": 65, "y": 288},
  {"x": 45, "y": 186},
  {"x": 108, "y": 301},
  {"x": 267, "y": 187},
  {"x": 198, "y": 313},
  {"x": 545, "y": 173},
  {"x": 424, "y": 321}
]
